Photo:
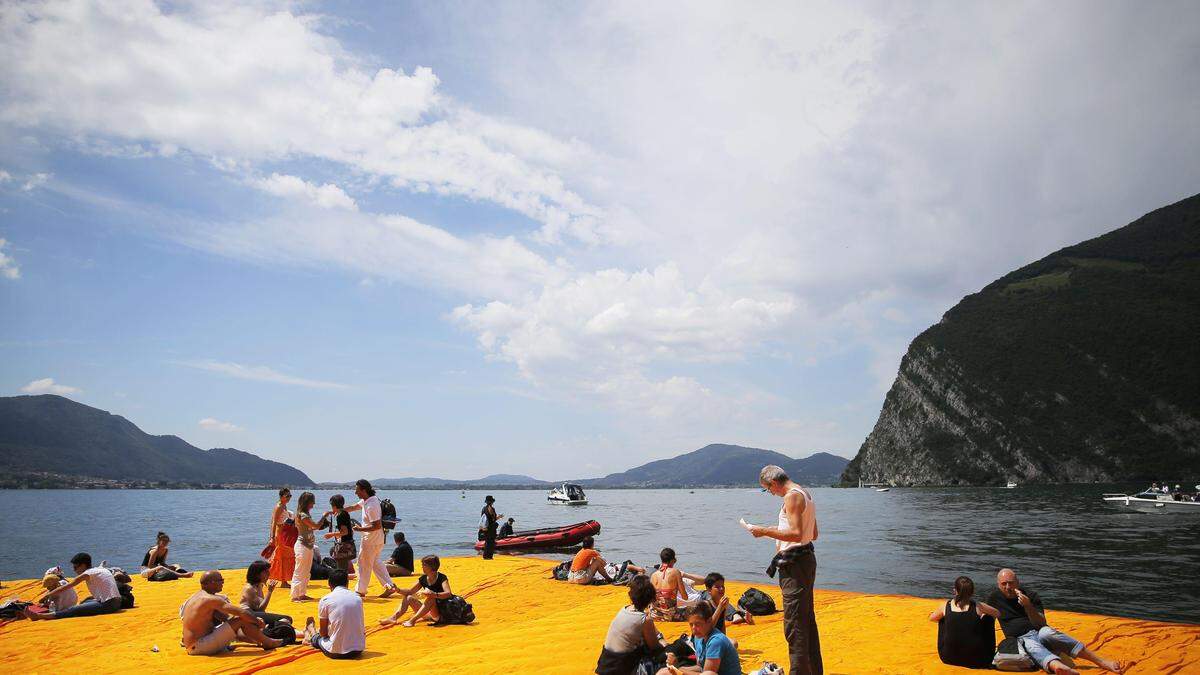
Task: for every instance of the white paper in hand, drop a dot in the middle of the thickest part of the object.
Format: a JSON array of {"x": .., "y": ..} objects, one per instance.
[{"x": 743, "y": 523}]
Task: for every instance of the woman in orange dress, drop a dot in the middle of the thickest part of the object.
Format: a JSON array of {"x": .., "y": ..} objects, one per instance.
[{"x": 283, "y": 538}]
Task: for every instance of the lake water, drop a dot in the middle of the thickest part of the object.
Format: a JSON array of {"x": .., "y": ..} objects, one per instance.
[{"x": 1079, "y": 553}]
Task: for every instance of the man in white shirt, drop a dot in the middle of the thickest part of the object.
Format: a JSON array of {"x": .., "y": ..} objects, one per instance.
[
  {"x": 343, "y": 630},
  {"x": 374, "y": 537},
  {"x": 106, "y": 597}
]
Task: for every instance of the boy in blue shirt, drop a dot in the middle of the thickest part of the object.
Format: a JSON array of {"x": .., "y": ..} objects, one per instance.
[{"x": 714, "y": 652}]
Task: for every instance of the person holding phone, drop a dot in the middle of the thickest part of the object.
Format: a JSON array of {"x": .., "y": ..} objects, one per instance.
[{"x": 1022, "y": 616}]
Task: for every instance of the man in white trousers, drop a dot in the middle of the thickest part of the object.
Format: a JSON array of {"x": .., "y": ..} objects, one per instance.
[{"x": 374, "y": 537}]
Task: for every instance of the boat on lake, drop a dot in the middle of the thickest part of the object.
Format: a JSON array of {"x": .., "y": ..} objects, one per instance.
[
  {"x": 1011, "y": 485},
  {"x": 1151, "y": 501},
  {"x": 569, "y": 494},
  {"x": 564, "y": 536}
]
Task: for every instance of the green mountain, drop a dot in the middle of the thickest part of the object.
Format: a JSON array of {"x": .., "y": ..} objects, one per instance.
[
  {"x": 723, "y": 465},
  {"x": 54, "y": 435},
  {"x": 494, "y": 480},
  {"x": 1083, "y": 366}
]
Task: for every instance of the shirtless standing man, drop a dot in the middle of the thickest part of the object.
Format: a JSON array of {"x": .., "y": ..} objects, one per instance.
[{"x": 211, "y": 623}]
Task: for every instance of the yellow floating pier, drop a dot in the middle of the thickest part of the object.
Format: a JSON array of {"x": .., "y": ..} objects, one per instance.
[{"x": 529, "y": 623}]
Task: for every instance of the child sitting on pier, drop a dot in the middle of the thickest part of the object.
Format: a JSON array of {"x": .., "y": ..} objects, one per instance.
[{"x": 426, "y": 597}]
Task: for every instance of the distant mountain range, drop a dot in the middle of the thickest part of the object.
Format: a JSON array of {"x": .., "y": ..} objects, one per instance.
[
  {"x": 71, "y": 443},
  {"x": 716, "y": 465}
]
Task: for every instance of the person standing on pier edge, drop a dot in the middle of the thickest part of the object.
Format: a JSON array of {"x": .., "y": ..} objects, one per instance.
[
  {"x": 488, "y": 520},
  {"x": 797, "y": 565}
]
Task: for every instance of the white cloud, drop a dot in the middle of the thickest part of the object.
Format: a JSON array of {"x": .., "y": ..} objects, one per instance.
[
  {"x": 212, "y": 424},
  {"x": 35, "y": 181},
  {"x": 47, "y": 385},
  {"x": 327, "y": 196},
  {"x": 261, "y": 374},
  {"x": 244, "y": 83},
  {"x": 8, "y": 266},
  {"x": 5, "y": 176}
]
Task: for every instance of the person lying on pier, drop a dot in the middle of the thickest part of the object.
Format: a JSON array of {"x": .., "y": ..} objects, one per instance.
[
  {"x": 211, "y": 623},
  {"x": 587, "y": 564},
  {"x": 714, "y": 652},
  {"x": 1023, "y": 617},
  {"x": 400, "y": 564},
  {"x": 425, "y": 597},
  {"x": 632, "y": 636},
  {"x": 343, "y": 630},
  {"x": 106, "y": 597},
  {"x": 966, "y": 629},
  {"x": 253, "y": 597},
  {"x": 154, "y": 563}
]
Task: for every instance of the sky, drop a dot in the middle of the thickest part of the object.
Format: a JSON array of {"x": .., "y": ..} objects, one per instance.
[{"x": 555, "y": 239}]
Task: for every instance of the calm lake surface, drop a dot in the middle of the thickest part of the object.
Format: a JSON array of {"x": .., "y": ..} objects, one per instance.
[{"x": 1063, "y": 541}]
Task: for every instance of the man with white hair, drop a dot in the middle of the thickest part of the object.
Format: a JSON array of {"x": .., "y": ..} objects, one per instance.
[
  {"x": 1023, "y": 617},
  {"x": 796, "y": 562}
]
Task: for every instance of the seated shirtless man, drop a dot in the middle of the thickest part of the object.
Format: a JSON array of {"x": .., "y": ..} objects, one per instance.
[
  {"x": 1022, "y": 617},
  {"x": 211, "y": 623}
]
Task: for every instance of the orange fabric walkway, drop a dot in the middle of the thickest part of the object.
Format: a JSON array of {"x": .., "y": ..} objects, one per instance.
[{"x": 528, "y": 623}]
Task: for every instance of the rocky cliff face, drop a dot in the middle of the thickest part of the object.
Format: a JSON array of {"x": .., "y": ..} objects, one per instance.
[{"x": 1081, "y": 367}]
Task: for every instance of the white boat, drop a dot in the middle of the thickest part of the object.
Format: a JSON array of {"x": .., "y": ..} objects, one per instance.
[
  {"x": 1011, "y": 485},
  {"x": 569, "y": 494},
  {"x": 1152, "y": 502},
  {"x": 882, "y": 489}
]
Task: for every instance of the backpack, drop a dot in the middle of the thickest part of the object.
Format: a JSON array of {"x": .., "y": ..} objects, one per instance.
[
  {"x": 319, "y": 571},
  {"x": 756, "y": 602},
  {"x": 12, "y": 609},
  {"x": 126, "y": 592},
  {"x": 562, "y": 571},
  {"x": 455, "y": 609},
  {"x": 387, "y": 514},
  {"x": 281, "y": 631},
  {"x": 624, "y": 575},
  {"x": 1011, "y": 656}
]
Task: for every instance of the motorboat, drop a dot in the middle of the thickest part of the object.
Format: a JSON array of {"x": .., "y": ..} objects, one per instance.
[
  {"x": 882, "y": 489},
  {"x": 548, "y": 537},
  {"x": 1010, "y": 485},
  {"x": 1153, "y": 502},
  {"x": 569, "y": 494}
]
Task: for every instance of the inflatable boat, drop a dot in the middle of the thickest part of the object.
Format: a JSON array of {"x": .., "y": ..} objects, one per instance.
[{"x": 547, "y": 537}]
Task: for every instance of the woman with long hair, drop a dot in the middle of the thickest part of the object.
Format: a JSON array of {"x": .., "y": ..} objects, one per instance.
[
  {"x": 374, "y": 537},
  {"x": 282, "y": 538},
  {"x": 305, "y": 540}
]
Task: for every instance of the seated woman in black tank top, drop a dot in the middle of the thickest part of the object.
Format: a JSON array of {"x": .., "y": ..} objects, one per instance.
[{"x": 966, "y": 629}]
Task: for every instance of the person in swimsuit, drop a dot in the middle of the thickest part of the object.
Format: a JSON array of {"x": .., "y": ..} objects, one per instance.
[
  {"x": 211, "y": 623},
  {"x": 670, "y": 588},
  {"x": 283, "y": 560},
  {"x": 796, "y": 561},
  {"x": 154, "y": 563},
  {"x": 253, "y": 597},
  {"x": 966, "y": 629},
  {"x": 425, "y": 597}
]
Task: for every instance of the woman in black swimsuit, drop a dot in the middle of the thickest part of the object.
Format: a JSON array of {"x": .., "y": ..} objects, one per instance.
[
  {"x": 154, "y": 563},
  {"x": 966, "y": 629}
]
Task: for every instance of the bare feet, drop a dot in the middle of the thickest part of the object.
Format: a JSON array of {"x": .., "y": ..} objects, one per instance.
[
  {"x": 34, "y": 616},
  {"x": 387, "y": 621},
  {"x": 1112, "y": 666},
  {"x": 388, "y": 592},
  {"x": 303, "y": 598},
  {"x": 408, "y": 624},
  {"x": 1059, "y": 668}
]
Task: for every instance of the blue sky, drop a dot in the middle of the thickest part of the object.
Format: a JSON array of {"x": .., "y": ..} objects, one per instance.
[{"x": 419, "y": 239}]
